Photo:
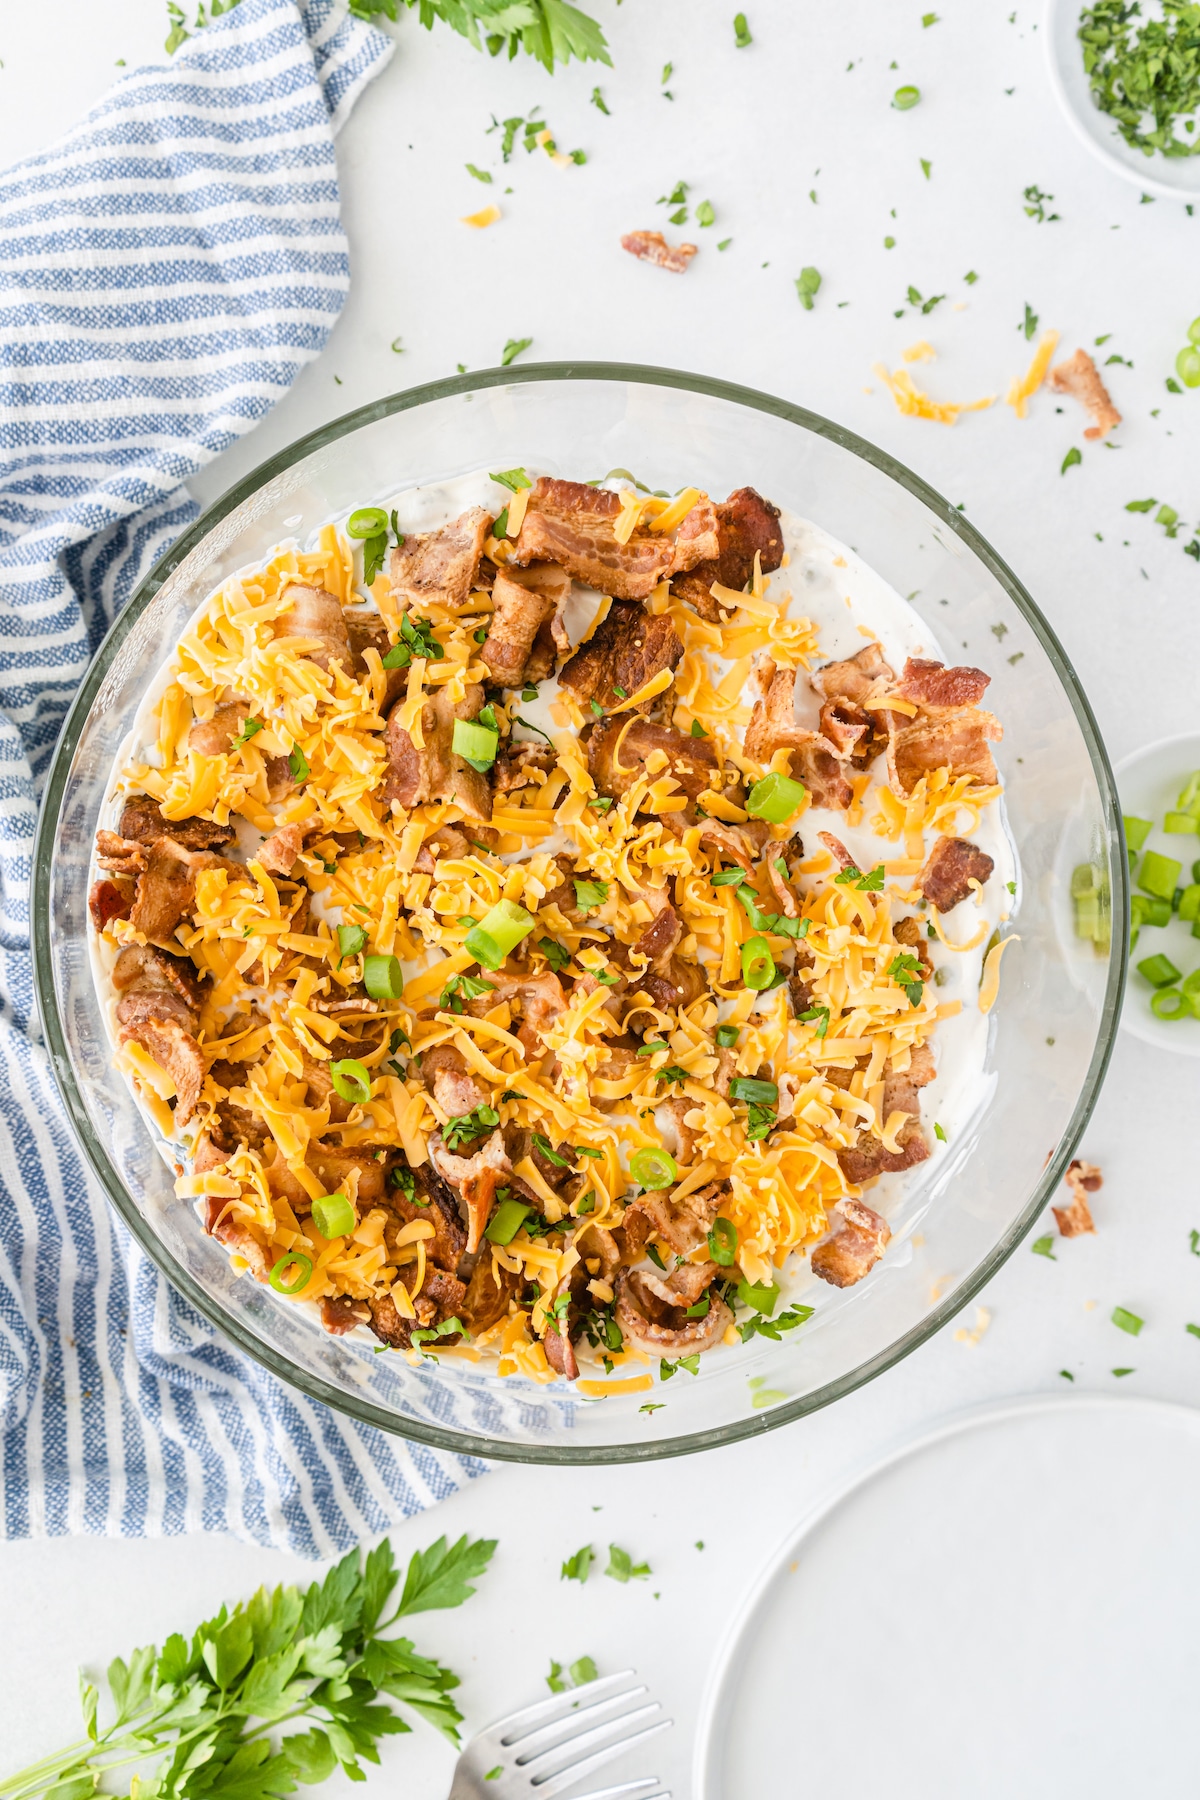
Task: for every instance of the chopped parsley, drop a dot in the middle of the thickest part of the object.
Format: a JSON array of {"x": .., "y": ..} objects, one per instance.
[
  {"x": 671, "y": 1073},
  {"x": 512, "y": 349},
  {"x": 513, "y": 479},
  {"x": 1030, "y": 323},
  {"x": 621, "y": 1566},
  {"x": 458, "y": 1131},
  {"x": 479, "y": 174},
  {"x": 691, "y": 1364},
  {"x": 463, "y": 987},
  {"x": 555, "y": 955},
  {"x": 1044, "y": 1246},
  {"x": 250, "y": 728},
  {"x": 1072, "y": 459},
  {"x": 904, "y": 970},
  {"x": 416, "y": 639},
  {"x": 808, "y": 286},
  {"x": 759, "y": 1325},
  {"x": 818, "y": 1018},
  {"x": 551, "y": 1155},
  {"x": 590, "y": 894},
  {"x": 871, "y": 883},
  {"x": 576, "y": 1567},
  {"x": 1035, "y": 205},
  {"x": 1144, "y": 73}
]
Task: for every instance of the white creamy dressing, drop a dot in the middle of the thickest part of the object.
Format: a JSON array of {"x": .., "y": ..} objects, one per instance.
[{"x": 849, "y": 604}]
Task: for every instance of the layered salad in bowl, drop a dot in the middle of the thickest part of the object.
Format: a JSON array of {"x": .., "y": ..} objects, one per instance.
[{"x": 549, "y": 922}]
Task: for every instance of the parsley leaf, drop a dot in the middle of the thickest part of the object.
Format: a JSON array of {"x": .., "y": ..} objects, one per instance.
[
  {"x": 576, "y": 1567},
  {"x": 759, "y": 1325},
  {"x": 590, "y": 894},
  {"x": 621, "y": 1566},
  {"x": 469, "y": 1125},
  {"x": 905, "y": 971},
  {"x": 513, "y": 349}
]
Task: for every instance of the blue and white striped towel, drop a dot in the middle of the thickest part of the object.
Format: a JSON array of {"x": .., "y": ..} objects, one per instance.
[{"x": 165, "y": 272}]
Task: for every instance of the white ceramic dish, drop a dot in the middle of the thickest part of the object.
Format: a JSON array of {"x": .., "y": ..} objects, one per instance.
[
  {"x": 1148, "y": 783},
  {"x": 1169, "y": 178},
  {"x": 1005, "y": 1606}
]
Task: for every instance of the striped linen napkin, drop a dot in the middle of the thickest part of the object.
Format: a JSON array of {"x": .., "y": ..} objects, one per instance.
[{"x": 165, "y": 272}]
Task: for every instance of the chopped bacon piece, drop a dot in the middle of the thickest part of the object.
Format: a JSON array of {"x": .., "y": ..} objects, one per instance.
[
  {"x": 166, "y": 878},
  {"x": 652, "y": 247},
  {"x": 441, "y": 567},
  {"x": 853, "y": 678},
  {"x": 367, "y": 631},
  {"x": 236, "y": 1236},
  {"x": 741, "y": 843},
  {"x": 683, "y": 1224},
  {"x": 142, "y": 823},
  {"x": 341, "y": 1314},
  {"x": 1083, "y": 1178},
  {"x": 475, "y": 1177},
  {"x": 560, "y": 1353},
  {"x": 866, "y": 1159},
  {"x": 109, "y": 900},
  {"x": 950, "y": 730},
  {"x": 813, "y": 759},
  {"x": 445, "y": 1074},
  {"x": 661, "y": 937},
  {"x": 911, "y": 933},
  {"x": 489, "y": 1291},
  {"x": 436, "y": 1203},
  {"x": 952, "y": 865},
  {"x": 525, "y": 600},
  {"x": 540, "y": 1000},
  {"x": 518, "y": 764},
  {"x": 316, "y": 615},
  {"x": 626, "y": 651},
  {"x": 435, "y": 771},
  {"x": 174, "y": 1049},
  {"x": 155, "y": 985},
  {"x": 1080, "y": 377},
  {"x": 856, "y": 1243},
  {"x": 850, "y": 730},
  {"x": 617, "y": 752},
  {"x": 278, "y": 855},
  {"x": 572, "y": 524},
  {"x": 837, "y": 850},
  {"x": 698, "y": 540},
  {"x": 746, "y": 524},
  {"x": 657, "y": 1329},
  {"x": 441, "y": 1297}
]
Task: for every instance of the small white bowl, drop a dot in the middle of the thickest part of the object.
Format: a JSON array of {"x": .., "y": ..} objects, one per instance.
[
  {"x": 1171, "y": 178},
  {"x": 1148, "y": 783}
]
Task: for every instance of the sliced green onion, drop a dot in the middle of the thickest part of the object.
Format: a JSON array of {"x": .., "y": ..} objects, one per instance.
[
  {"x": 753, "y": 1091},
  {"x": 1179, "y": 824},
  {"x": 1187, "y": 366},
  {"x": 762, "y": 1296},
  {"x": 1158, "y": 874},
  {"x": 506, "y": 1221},
  {"x": 1145, "y": 911},
  {"x": 1127, "y": 1321},
  {"x": 498, "y": 933},
  {"x": 723, "y": 1242},
  {"x": 476, "y": 744},
  {"x": 727, "y": 1036},
  {"x": 1191, "y": 984},
  {"x": 382, "y": 977},
  {"x": 1189, "y": 796},
  {"x": 653, "y": 1168},
  {"x": 758, "y": 965},
  {"x": 905, "y": 98},
  {"x": 1193, "y": 332},
  {"x": 776, "y": 798},
  {"x": 1159, "y": 971},
  {"x": 351, "y": 1081},
  {"x": 334, "y": 1216},
  {"x": 367, "y": 522},
  {"x": 1137, "y": 831},
  {"x": 295, "y": 1259},
  {"x": 1169, "y": 1003}
]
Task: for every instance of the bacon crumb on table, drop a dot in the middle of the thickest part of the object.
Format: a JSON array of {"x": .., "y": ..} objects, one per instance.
[
  {"x": 1080, "y": 377},
  {"x": 1083, "y": 1178},
  {"x": 652, "y": 247}
]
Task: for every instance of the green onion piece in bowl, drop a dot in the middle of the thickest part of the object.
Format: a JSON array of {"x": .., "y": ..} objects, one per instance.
[
  {"x": 295, "y": 1259},
  {"x": 653, "y": 1168},
  {"x": 753, "y": 1091},
  {"x": 762, "y": 1296},
  {"x": 367, "y": 522},
  {"x": 1170, "y": 1003},
  {"x": 1189, "y": 903},
  {"x": 506, "y": 1221},
  {"x": 1137, "y": 831},
  {"x": 723, "y": 1242},
  {"x": 727, "y": 1036},
  {"x": 1159, "y": 970},
  {"x": 776, "y": 798},
  {"x": 1187, "y": 366},
  {"x": 758, "y": 965},
  {"x": 498, "y": 932},
  {"x": 1159, "y": 874},
  {"x": 1189, "y": 794},
  {"x": 351, "y": 1081},
  {"x": 476, "y": 744},
  {"x": 1179, "y": 824},
  {"x": 382, "y": 977},
  {"x": 334, "y": 1216}
]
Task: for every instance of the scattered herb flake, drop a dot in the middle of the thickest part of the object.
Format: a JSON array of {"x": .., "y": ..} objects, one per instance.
[
  {"x": 576, "y": 1567},
  {"x": 1044, "y": 1246},
  {"x": 513, "y": 349},
  {"x": 808, "y": 284},
  {"x": 1127, "y": 1321},
  {"x": 741, "y": 32},
  {"x": 1072, "y": 459},
  {"x": 621, "y": 1566}
]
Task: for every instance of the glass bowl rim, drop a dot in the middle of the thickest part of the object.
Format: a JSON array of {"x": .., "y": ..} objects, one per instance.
[{"x": 467, "y": 1443}]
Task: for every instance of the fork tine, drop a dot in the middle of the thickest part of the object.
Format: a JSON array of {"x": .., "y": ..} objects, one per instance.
[
  {"x": 565, "y": 1705},
  {"x": 565, "y": 1778},
  {"x": 626, "y": 1788},
  {"x": 583, "y": 1740},
  {"x": 530, "y": 1741}
]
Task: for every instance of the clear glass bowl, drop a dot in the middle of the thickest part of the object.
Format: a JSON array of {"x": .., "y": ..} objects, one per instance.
[{"x": 1049, "y": 1038}]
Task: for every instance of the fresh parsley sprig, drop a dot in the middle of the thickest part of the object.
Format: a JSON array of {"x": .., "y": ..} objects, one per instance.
[{"x": 316, "y": 1658}]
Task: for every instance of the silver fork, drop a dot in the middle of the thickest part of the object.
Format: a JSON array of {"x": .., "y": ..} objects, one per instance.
[{"x": 539, "y": 1752}]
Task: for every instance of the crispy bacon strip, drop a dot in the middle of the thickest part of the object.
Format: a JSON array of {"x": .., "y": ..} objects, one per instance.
[
  {"x": 1080, "y": 378},
  {"x": 435, "y": 771},
  {"x": 746, "y": 525},
  {"x": 313, "y": 613},
  {"x": 572, "y": 524},
  {"x": 951, "y": 866},
  {"x": 524, "y": 600},
  {"x": 1083, "y": 1178},
  {"x": 616, "y": 761},
  {"x": 812, "y": 759},
  {"x": 652, "y": 247},
  {"x": 950, "y": 729},
  {"x": 626, "y": 650},
  {"x": 440, "y": 566}
]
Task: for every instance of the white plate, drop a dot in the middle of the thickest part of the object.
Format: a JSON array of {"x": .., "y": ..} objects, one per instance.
[
  {"x": 1148, "y": 783},
  {"x": 1174, "y": 179},
  {"x": 1007, "y": 1607}
]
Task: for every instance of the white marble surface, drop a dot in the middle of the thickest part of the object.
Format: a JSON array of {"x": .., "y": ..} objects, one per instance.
[{"x": 749, "y": 130}]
